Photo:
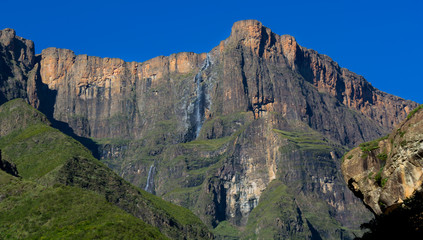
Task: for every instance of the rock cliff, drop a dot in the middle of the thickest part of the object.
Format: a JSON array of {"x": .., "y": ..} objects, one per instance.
[
  {"x": 17, "y": 67},
  {"x": 258, "y": 115},
  {"x": 386, "y": 172},
  {"x": 109, "y": 98}
]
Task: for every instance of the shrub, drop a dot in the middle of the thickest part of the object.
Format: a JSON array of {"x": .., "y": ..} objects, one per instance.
[{"x": 382, "y": 156}]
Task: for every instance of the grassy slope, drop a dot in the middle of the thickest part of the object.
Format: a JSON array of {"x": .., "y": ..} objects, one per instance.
[
  {"x": 32, "y": 211},
  {"x": 46, "y": 156},
  {"x": 275, "y": 203}
]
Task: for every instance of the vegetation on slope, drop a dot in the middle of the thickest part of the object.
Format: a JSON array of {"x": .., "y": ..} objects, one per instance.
[
  {"x": 32, "y": 211},
  {"x": 46, "y": 157}
]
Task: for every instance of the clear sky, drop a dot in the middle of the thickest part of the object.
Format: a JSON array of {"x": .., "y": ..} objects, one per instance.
[{"x": 381, "y": 40}]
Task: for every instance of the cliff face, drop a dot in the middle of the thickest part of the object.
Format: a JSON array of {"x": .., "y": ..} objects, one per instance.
[
  {"x": 18, "y": 67},
  {"x": 213, "y": 131},
  {"x": 386, "y": 172},
  {"x": 252, "y": 71},
  {"x": 111, "y": 98},
  {"x": 257, "y": 47}
]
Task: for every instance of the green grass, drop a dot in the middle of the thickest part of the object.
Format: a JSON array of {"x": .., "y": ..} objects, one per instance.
[
  {"x": 45, "y": 157},
  {"x": 225, "y": 230},
  {"x": 181, "y": 214},
  {"x": 382, "y": 156},
  {"x": 305, "y": 140},
  {"x": 378, "y": 177},
  {"x": 38, "y": 149},
  {"x": 18, "y": 111},
  {"x": 369, "y": 146},
  {"x": 277, "y": 207},
  {"x": 411, "y": 114},
  {"x": 372, "y": 145},
  {"x": 204, "y": 144},
  {"x": 208, "y": 144},
  {"x": 364, "y": 155},
  {"x": 112, "y": 141},
  {"x": 403, "y": 143},
  {"x": 226, "y": 120},
  {"x": 383, "y": 182},
  {"x": 31, "y": 211}
]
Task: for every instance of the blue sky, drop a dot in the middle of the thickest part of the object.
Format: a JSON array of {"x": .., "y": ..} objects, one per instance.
[{"x": 381, "y": 40}]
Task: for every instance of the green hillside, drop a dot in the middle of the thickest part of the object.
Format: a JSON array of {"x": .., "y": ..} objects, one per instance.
[
  {"x": 61, "y": 179},
  {"x": 32, "y": 211}
]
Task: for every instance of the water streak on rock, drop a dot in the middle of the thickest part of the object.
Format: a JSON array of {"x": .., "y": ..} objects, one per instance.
[
  {"x": 150, "y": 179},
  {"x": 199, "y": 104}
]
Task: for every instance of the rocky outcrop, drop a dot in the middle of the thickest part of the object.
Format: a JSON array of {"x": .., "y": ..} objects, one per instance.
[
  {"x": 17, "y": 67},
  {"x": 386, "y": 172}
]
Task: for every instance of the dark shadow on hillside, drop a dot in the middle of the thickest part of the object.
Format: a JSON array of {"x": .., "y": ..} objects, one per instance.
[{"x": 47, "y": 98}]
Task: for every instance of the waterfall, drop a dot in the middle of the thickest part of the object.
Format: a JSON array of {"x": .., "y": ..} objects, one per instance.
[
  {"x": 201, "y": 98},
  {"x": 150, "y": 179}
]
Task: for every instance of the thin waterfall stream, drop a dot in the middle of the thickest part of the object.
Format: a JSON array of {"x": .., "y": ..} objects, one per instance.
[
  {"x": 201, "y": 97},
  {"x": 150, "y": 179}
]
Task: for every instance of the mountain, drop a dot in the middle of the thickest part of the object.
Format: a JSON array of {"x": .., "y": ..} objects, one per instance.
[
  {"x": 248, "y": 136},
  {"x": 32, "y": 211},
  {"x": 387, "y": 175},
  {"x": 61, "y": 190}
]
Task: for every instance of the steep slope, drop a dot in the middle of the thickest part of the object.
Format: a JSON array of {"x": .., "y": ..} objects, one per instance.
[
  {"x": 387, "y": 175},
  {"x": 213, "y": 131},
  {"x": 253, "y": 70},
  {"x": 32, "y": 211},
  {"x": 387, "y": 171},
  {"x": 18, "y": 67},
  {"x": 48, "y": 157}
]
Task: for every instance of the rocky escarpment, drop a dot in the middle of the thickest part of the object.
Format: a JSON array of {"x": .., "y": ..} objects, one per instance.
[
  {"x": 213, "y": 131},
  {"x": 18, "y": 67},
  {"x": 111, "y": 98},
  {"x": 386, "y": 172},
  {"x": 263, "y": 87},
  {"x": 348, "y": 88}
]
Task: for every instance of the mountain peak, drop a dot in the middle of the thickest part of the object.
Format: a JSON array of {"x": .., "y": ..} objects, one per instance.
[
  {"x": 248, "y": 29},
  {"x": 251, "y": 34},
  {"x": 6, "y": 35},
  {"x": 262, "y": 41},
  {"x": 248, "y": 25}
]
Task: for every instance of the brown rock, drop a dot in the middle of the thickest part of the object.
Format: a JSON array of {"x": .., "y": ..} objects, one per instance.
[
  {"x": 17, "y": 59},
  {"x": 384, "y": 181}
]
